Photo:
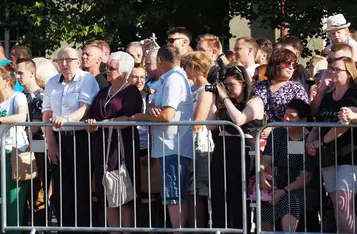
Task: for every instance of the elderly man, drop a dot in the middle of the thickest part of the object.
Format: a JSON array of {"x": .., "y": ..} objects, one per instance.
[
  {"x": 67, "y": 98},
  {"x": 135, "y": 49}
]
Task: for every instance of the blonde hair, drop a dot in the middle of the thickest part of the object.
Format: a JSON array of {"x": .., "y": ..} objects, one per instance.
[
  {"x": 319, "y": 63},
  {"x": 213, "y": 41},
  {"x": 7, "y": 72},
  {"x": 198, "y": 60}
]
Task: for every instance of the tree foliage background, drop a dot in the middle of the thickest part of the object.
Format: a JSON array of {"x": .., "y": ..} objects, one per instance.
[{"x": 43, "y": 24}]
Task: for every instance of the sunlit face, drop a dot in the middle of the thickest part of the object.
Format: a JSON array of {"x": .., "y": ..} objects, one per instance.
[
  {"x": 338, "y": 73},
  {"x": 113, "y": 70},
  {"x": 68, "y": 65},
  {"x": 339, "y": 35},
  {"x": 91, "y": 57},
  {"x": 234, "y": 87},
  {"x": 189, "y": 72},
  {"x": 106, "y": 54},
  {"x": 178, "y": 41},
  {"x": 137, "y": 78},
  {"x": 23, "y": 75},
  {"x": 291, "y": 115},
  {"x": 287, "y": 69},
  {"x": 203, "y": 46},
  {"x": 241, "y": 51}
]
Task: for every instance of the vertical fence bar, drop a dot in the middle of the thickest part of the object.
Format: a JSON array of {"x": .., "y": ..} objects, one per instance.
[
  {"x": 47, "y": 202},
  {"x": 104, "y": 170},
  {"x": 258, "y": 182},
  {"x": 353, "y": 184},
  {"x": 90, "y": 179},
  {"x": 149, "y": 173},
  {"x": 194, "y": 181},
  {"x": 288, "y": 162},
  {"x": 209, "y": 187},
  {"x": 273, "y": 173},
  {"x": 3, "y": 182},
  {"x": 320, "y": 182},
  {"x": 225, "y": 180},
  {"x": 336, "y": 174},
  {"x": 304, "y": 169},
  {"x": 134, "y": 172},
  {"x": 75, "y": 179},
  {"x": 60, "y": 176},
  {"x": 244, "y": 185},
  {"x": 179, "y": 175},
  {"x": 164, "y": 173}
]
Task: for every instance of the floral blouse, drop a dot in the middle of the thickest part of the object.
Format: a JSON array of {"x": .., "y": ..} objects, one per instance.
[{"x": 275, "y": 103}]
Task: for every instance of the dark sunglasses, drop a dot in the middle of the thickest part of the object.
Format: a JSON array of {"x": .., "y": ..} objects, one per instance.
[
  {"x": 172, "y": 40},
  {"x": 111, "y": 68}
]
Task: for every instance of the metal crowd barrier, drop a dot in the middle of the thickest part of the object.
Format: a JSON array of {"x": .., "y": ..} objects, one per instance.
[
  {"x": 324, "y": 207},
  {"x": 48, "y": 227}
]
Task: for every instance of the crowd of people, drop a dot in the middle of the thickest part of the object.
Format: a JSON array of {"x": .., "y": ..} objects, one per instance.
[{"x": 259, "y": 82}]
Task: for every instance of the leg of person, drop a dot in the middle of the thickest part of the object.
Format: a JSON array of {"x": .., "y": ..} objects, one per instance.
[
  {"x": 15, "y": 196},
  {"x": 289, "y": 219},
  {"x": 219, "y": 212}
]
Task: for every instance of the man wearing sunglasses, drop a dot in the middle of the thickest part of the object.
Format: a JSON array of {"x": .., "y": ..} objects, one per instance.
[
  {"x": 338, "y": 51},
  {"x": 179, "y": 37}
]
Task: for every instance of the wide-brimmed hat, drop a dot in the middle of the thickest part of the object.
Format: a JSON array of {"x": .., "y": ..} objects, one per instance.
[{"x": 336, "y": 22}]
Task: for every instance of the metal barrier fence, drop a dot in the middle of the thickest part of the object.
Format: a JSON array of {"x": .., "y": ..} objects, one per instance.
[
  {"x": 306, "y": 184},
  {"x": 67, "y": 139}
]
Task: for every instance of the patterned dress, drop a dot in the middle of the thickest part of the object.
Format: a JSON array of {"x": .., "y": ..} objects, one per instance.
[{"x": 275, "y": 103}]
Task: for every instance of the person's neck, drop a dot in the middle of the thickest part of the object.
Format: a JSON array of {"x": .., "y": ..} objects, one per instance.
[
  {"x": 339, "y": 91},
  {"x": 2, "y": 57},
  {"x": 199, "y": 82},
  {"x": 94, "y": 70},
  {"x": 249, "y": 62},
  {"x": 30, "y": 88},
  {"x": 117, "y": 85},
  {"x": 5, "y": 94},
  {"x": 295, "y": 133}
]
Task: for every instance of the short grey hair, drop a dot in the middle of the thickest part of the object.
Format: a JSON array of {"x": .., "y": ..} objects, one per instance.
[
  {"x": 45, "y": 70},
  {"x": 72, "y": 52},
  {"x": 152, "y": 53},
  {"x": 125, "y": 60},
  {"x": 137, "y": 45}
]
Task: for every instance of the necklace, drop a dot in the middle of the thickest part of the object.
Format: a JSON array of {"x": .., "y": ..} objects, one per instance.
[{"x": 109, "y": 96}]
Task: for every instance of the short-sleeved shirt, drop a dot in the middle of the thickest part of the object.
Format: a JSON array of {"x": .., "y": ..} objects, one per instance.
[
  {"x": 174, "y": 92},
  {"x": 102, "y": 81},
  {"x": 275, "y": 103},
  {"x": 63, "y": 98},
  {"x": 8, "y": 108}
]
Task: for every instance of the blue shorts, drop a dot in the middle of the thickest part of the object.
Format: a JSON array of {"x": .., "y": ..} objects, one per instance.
[{"x": 170, "y": 192}]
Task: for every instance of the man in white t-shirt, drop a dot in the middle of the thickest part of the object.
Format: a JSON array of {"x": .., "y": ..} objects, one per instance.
[
  {"x": 172, "y": 144},
  {"x": 245, "y": 50}
]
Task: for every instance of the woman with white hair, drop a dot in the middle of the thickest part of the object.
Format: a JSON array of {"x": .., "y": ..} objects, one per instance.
[
  {"x": 45, "y": 70},
  {"x": 117, "y": 102},
  {"x": 338, "y": 32}
]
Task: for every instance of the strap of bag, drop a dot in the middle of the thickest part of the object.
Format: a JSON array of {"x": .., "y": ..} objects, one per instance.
[{"x": 121, "y": 145}]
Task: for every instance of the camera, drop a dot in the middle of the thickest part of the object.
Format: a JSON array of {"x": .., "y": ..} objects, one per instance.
[{"x": 216, "y": 75}]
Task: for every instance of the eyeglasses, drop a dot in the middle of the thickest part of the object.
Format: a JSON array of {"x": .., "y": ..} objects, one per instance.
[
  {"x": 332, "y": 60},
  {"x": 68, "y": 60},
  {"x": 138, "y": 77},
  {"x": 172, "y": 40},
  {"x": 335, "y": 70},
  {"x": 111, "y": 68},
  {"x": 290, "y": 65}
]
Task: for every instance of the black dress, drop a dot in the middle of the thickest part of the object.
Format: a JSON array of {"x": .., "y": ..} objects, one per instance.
[{"x": 296, "y": 165}]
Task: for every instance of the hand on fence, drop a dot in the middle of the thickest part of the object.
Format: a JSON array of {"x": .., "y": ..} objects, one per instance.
[
  {"x": 92, "y": 128},
  {"x": 53, "y": 151},
  {"x": 266, "y": 132},
  {"x": 154, "y": 112},
  {"x": 58, "y": 121},
  {"x": 346, "y": 115},
  {"x": 312, "y": 147}
]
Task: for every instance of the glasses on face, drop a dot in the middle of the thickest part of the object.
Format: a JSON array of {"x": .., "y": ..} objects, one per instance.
[
  {"x": 335, "y": 70},
  {"x": 134, "y": 77},
  {"x": 111, "y": 68},
  {"x": 289, "y": 65},
  {"x": 172, "y": 40},
  {"x": 67, "y": 60}
]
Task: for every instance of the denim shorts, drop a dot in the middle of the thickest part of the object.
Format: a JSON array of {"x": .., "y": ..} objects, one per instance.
[{"x": 174, "y": 188}]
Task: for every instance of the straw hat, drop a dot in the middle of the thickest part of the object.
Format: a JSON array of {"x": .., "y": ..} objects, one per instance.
[{"x": 336, "y": 22}]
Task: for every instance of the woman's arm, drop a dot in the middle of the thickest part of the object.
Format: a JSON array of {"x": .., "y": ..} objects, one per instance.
[
  {"x": 19, "y": 116},
  {"x": 300, "y": 182},
  {"x": 253, "y": 110},
  {"x": 203, "y": 107}
]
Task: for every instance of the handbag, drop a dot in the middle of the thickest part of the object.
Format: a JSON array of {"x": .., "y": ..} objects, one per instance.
[
  {"x": 23, "y": 164},
  {"x": 117, "y": 184}
]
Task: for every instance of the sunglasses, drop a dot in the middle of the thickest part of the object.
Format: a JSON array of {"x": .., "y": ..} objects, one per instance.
[
  {"x": 111, "y": 68},
  {"x": 172, "y": 40},
  {"x": 290, "y": 64}
]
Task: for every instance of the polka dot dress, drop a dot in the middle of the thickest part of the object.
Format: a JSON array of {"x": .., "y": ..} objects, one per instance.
[{"x": 294, "y": 205}]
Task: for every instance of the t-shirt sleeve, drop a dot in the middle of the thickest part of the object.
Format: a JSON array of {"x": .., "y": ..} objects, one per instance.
[
  {"x": 46, "y": 104},
  {"x": 89, "y": 90},
  {"x": 20, "y": 100},
  {"x": 172, "y": 91}
]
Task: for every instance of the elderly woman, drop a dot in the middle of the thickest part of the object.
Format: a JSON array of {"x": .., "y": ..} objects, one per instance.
[
  {"x": 278, "y": 90},
  {"x": 197, "y": 65},
  {"x": 13, "y": 108},
  {"x": 45, "y": 69},
  {"x": 67, "y": 98},
  {"x": 291, "y": 175},
  {"x": 338, "y": 32},
  {"x": 119, "y": 102},
  {"x": 339, "y": 179}
]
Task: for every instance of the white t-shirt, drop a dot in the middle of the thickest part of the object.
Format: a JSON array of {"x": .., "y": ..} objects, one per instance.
[
  {"x": 174, "y": 92},
  {"x": 8, "y": 108},
  {"x": 251, "y": 69}
]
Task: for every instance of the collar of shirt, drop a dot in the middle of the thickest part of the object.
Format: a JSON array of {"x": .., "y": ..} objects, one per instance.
[
  {"x": 174, "y": 70},
  {"x": 75, "y": 78}
]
